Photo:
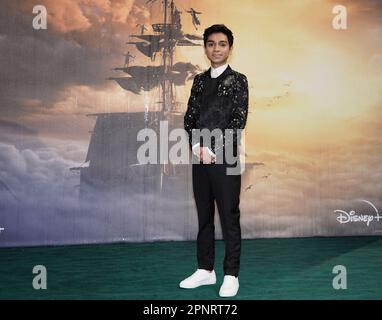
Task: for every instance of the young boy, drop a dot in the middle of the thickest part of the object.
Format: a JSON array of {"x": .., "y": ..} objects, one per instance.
[{"x": 219, "y": 99}]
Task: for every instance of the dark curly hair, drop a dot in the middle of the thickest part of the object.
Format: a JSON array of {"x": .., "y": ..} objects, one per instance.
[{"x": 218, "y": 28}]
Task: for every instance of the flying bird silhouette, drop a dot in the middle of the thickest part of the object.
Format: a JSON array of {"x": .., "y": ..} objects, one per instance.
[{"x": 249, "y": 187}]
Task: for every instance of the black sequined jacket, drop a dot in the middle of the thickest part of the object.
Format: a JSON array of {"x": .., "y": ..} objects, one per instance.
[{"x": 229, "y": 110}]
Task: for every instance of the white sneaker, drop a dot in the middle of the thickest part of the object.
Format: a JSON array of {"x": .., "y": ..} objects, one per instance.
[
  {"x": 199, "y": 278},
  {"x": 229, "y": 287}
]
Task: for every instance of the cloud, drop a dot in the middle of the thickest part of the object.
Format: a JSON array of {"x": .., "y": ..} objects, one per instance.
[
  {"x": 39, "y": 65},
  {"x": 79, "y": 15},
  {"x": 298, "y": 198},
  {"x": 47, "y": 209},
  {"x": 39, "y": 199},
  {"x": 302, "y": 190}
]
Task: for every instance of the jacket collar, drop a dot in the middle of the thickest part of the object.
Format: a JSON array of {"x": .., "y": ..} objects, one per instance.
[{"x": 227, "y": 71}]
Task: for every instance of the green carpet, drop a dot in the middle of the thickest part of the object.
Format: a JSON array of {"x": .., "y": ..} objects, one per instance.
[{"x": 292, "y": 268}]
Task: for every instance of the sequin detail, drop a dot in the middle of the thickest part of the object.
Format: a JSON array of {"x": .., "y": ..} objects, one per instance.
[{"x": 233, "y": 94}]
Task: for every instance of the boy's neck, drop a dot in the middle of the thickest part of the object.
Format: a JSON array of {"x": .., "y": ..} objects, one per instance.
[{"x": 216, "y": 65}]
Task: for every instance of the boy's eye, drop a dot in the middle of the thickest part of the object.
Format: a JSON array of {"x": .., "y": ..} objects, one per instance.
[{"x": 221, "y": 44}]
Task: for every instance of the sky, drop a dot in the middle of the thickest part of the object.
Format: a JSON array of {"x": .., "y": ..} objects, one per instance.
[
  {"x": 314, "y": 93},
  {"x": 286, "y": 48}
]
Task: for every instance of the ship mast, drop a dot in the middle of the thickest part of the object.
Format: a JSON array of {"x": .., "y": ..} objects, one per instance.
[
  {"x": 164, "y": 60},
  {"x": 167, "y": 86},
  {"x": 167, "y": 82}
]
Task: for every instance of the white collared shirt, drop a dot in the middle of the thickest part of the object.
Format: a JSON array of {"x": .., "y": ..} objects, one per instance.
[{"x": 215, "y": 72}]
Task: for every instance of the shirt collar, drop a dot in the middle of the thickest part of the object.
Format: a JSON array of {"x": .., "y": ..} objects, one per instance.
[{"x": 215, "y": 72}]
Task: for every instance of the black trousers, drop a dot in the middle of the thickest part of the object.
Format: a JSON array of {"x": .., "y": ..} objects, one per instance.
[{"x": 211, "y": 182}]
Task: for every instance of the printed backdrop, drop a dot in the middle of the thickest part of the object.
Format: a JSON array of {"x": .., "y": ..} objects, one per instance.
[{"x": 68, "y": 124}]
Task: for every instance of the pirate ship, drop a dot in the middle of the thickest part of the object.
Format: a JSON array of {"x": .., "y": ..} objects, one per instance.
[{"x": 111, "y": 160}]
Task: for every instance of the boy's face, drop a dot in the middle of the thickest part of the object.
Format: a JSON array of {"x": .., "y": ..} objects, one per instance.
[{"x": 217, "y": 49}]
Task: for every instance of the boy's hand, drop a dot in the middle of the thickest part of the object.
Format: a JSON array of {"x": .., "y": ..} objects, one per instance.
[{"x": 206, "y": 156}]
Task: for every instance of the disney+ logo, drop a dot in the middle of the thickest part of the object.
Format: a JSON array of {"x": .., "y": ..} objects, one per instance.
[{"x": 353, "y": 216}]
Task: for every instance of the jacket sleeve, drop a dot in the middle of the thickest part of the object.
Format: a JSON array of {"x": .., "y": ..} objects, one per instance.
[
  {"x": 193, "y": 111},
  {"x": 238, "y": 116}
]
